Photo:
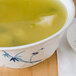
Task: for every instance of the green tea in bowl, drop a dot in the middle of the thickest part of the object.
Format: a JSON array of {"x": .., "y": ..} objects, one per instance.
[{"x": 27, "y": 21}]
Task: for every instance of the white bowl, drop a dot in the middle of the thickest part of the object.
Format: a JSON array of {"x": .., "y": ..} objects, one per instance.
[
  {"x": 29, "y": 55},
  {"x": 71, "y": 35}
]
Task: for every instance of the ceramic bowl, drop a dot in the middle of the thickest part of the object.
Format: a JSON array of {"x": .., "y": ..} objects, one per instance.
[
  {"x": 71, "y": 35},
  {"x": 32, "y": 54}
]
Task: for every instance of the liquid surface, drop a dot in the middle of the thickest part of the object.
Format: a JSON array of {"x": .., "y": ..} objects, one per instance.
[{"x": 27, "y": 21}]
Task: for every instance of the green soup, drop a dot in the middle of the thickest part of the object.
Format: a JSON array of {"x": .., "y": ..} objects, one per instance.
[{"x": 27, "y": 21}]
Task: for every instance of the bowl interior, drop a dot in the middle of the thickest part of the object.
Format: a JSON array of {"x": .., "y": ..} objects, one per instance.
[{"x": 70, "y": 16}]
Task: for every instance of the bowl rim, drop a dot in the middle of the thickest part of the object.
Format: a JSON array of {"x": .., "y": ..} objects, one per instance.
[{"x": 46, "y": 39}]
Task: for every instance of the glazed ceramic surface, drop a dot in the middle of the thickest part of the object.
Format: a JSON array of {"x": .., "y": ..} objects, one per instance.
[
  {"x": 29, "y": 55},
  {"x": 71, "y": 35}
]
